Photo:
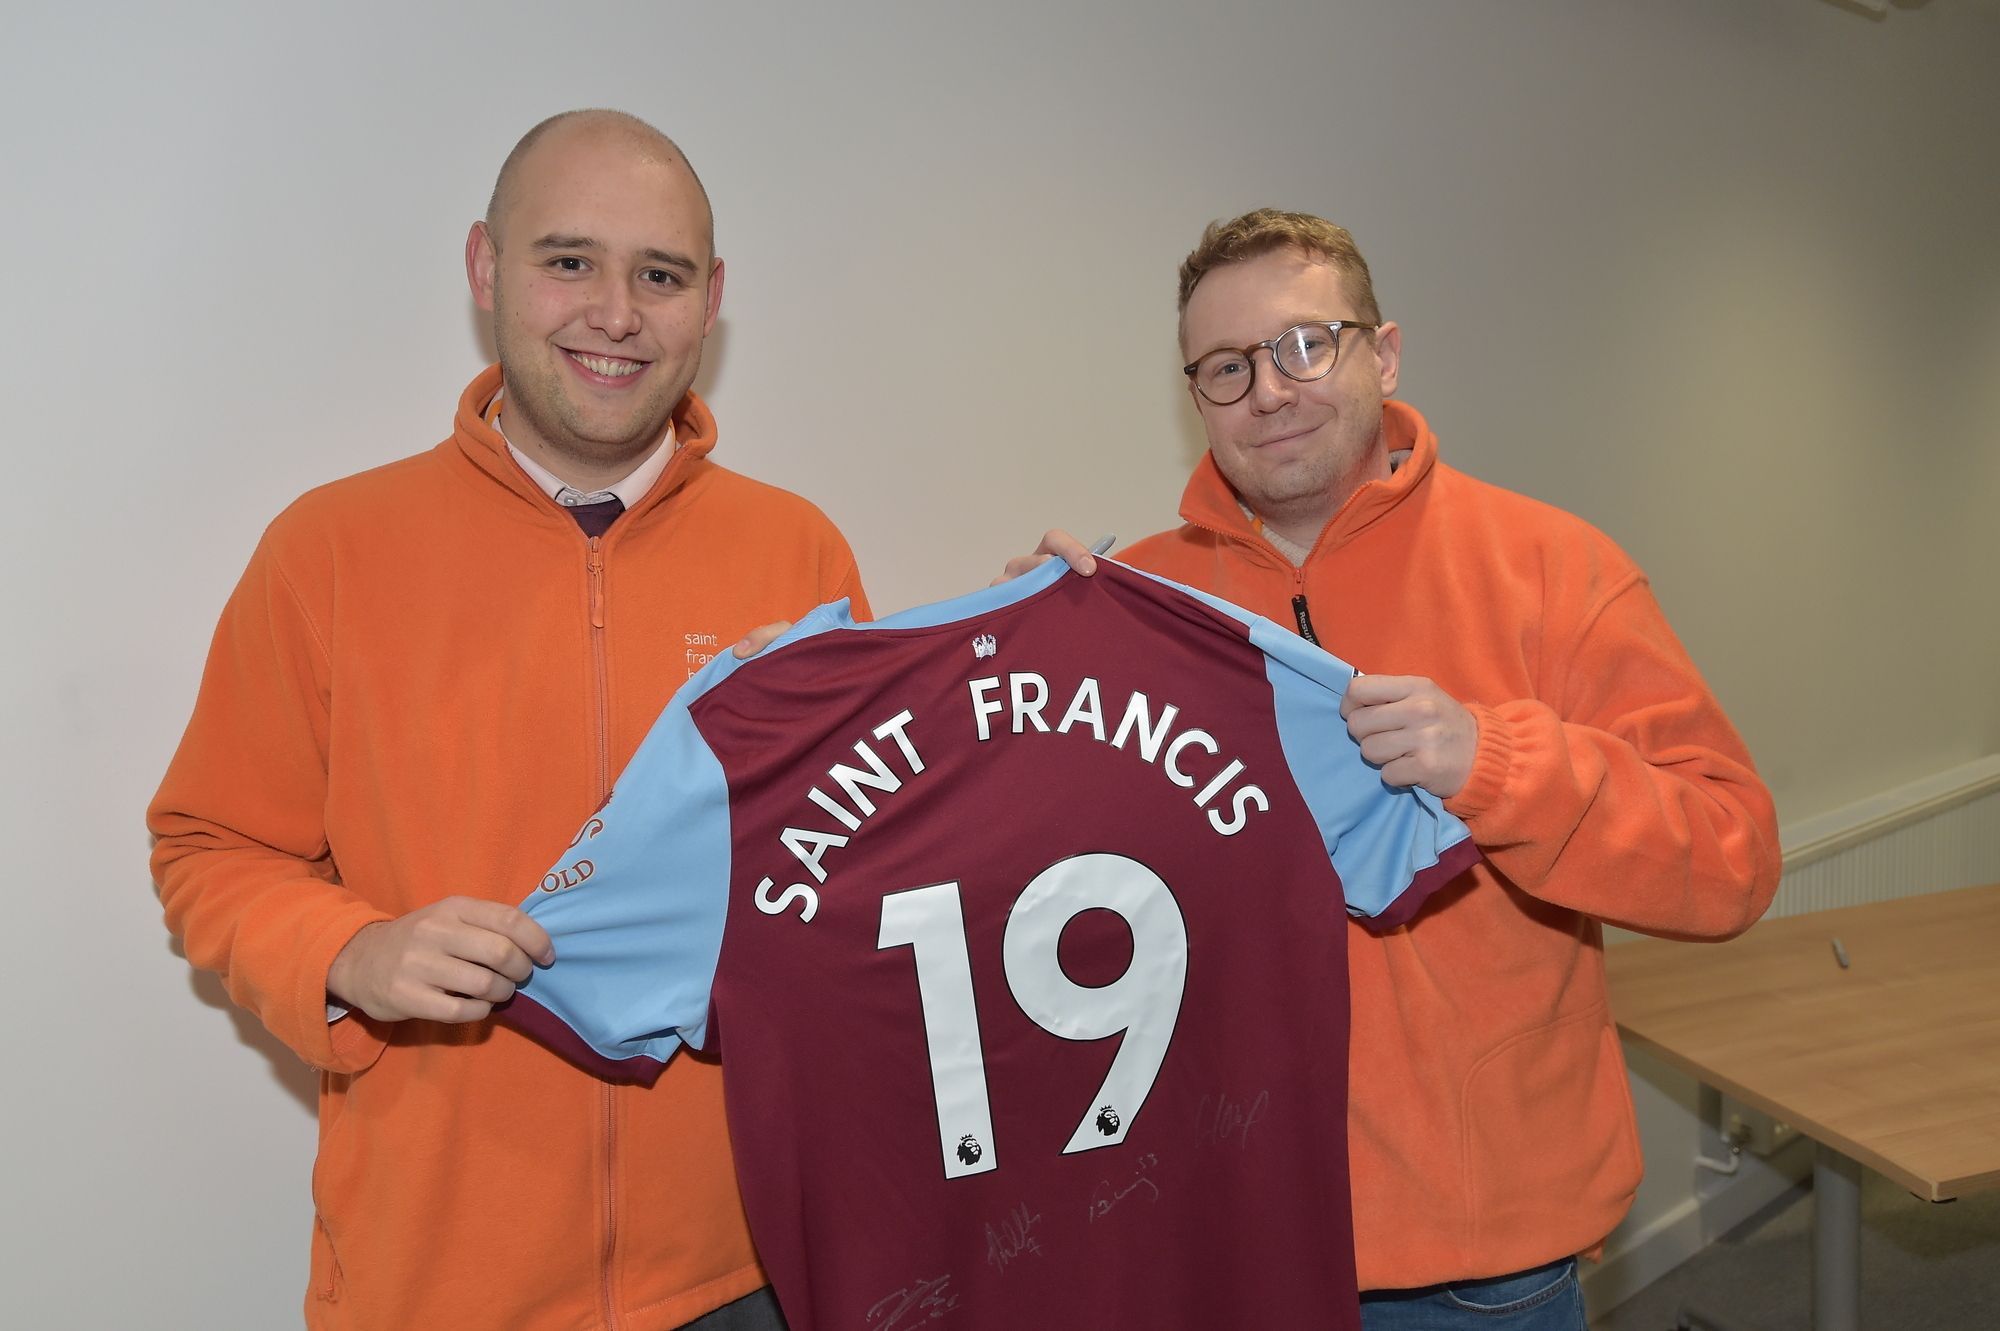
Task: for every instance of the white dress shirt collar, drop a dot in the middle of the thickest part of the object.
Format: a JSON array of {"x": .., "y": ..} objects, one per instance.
[{"x": 627, "y": 492}]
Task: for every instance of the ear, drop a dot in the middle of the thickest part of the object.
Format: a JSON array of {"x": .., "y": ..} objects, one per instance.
[
  {"x": 481, "y": 257},
  {"x": 714, "y": 298},
  {"x": 1389, "y": 351}
]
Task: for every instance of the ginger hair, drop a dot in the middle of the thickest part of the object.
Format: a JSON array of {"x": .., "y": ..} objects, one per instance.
[{"x": 1255, "y": 234}]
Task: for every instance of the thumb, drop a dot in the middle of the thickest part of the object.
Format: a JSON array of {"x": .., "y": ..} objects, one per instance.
[{"x": 757, "y": 639}]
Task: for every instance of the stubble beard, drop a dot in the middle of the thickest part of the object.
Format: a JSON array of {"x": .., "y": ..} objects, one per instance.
[{"x": 1303, "y": 491}]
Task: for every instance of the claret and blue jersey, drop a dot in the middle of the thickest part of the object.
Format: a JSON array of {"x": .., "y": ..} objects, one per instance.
[{"x": 1019, "y": 921}]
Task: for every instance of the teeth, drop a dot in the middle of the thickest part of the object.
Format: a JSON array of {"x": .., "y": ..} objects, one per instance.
[{"x": 615, "y": 369}]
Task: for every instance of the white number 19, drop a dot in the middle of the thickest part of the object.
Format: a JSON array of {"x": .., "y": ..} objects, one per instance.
[{"x": 1144, "y": 1003}]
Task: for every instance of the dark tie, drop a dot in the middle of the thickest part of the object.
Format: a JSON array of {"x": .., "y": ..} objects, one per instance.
[{"x": 596, "y": 519}]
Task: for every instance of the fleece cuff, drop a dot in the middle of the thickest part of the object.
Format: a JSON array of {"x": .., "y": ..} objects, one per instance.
[
  {"x": 351, "y": 1044},
  {"x": 1492, "y": 761}
]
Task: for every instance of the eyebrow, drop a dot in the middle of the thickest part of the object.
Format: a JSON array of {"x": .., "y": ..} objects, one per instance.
[
  {"x": 669, "y": 260},
  {"x": 665, "y": 258},
  {"x": 1308, "y": 319}
]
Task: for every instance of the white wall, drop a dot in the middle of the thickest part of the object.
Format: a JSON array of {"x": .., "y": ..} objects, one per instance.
[{"x": 1717, "y": 274}]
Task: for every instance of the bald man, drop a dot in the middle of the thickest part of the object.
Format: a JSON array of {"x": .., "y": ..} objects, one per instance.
[{"x": 427, "y": 680}]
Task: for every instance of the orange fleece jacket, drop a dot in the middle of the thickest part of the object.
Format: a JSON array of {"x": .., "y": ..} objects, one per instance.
[
  {"x": 1490, "y": 1123},
  {"x": 424, "y": 683}
]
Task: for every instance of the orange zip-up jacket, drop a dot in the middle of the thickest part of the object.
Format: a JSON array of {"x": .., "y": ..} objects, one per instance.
[
  {"x": 1490, "y": 1121},
  {"x": 424, "y": 683}
]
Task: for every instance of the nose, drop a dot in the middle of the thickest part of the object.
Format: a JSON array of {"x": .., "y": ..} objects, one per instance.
[
  {"x": 1270, "y": 387},
  {"x": 613, "y": 312}
]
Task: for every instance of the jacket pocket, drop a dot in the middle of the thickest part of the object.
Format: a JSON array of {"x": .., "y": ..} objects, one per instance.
[
  {"x": 1552, "y": 1153},
  {"x": 330, "y": 1187},
  {"x": 325, "y": 1265}
]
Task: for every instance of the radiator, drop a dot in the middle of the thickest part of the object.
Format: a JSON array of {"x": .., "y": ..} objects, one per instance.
[{"x": 1930, "y": 836}]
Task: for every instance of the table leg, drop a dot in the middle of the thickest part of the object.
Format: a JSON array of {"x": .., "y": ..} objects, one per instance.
[{"x": 1836, "y": 1241}]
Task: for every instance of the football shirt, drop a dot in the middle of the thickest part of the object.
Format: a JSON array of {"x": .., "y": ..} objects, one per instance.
[{"x": 1019, "y": 922}]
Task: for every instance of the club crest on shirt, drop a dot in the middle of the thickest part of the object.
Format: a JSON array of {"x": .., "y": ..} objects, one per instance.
[{"x": 984, "y": 646}]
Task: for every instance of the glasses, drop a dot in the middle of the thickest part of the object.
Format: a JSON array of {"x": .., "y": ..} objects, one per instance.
[{"x": 1304, "y": 353}]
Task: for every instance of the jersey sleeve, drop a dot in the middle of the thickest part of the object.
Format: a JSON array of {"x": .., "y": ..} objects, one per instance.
[
  {"x": 635, "y": 908},
  {"x": 1392, "y": 846},
  {"x": 636, "y": 905}
]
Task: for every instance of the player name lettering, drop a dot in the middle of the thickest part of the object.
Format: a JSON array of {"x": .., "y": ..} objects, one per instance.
[
  {"x": 1027, "y": 696},
  {"x": 810, "y": 845}
]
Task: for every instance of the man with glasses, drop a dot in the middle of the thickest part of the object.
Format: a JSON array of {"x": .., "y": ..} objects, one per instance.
[{"x": 1517, "y": 666}]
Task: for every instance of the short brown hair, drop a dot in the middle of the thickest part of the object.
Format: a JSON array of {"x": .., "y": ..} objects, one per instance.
[{"x": 1258, "y": 233}]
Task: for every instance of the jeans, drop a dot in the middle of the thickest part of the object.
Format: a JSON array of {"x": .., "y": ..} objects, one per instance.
[
  {"x": 1544, "y": 1299},
  {"x": 752, "y": 1312}
]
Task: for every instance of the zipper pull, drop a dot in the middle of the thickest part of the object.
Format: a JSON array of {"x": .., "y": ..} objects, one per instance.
[
  {"x": 1303, "y": 613},
  {"x": 595, "y": 563}
]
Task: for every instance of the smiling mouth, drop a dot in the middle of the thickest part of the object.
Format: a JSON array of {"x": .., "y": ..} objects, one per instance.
[
  {"x": 611, "y": 367},
  {"x": 1282, "y": 439}
]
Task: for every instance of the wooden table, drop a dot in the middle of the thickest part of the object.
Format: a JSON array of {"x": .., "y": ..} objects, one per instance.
[{"x": 1892, "y": 1062}]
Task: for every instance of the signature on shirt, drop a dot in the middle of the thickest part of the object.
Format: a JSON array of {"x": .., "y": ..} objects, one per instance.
[
  {"x": 921, "y": 1301},
  {"x": 1014, "y": 1237},
  {"x": 1109, "y": 1194},
  {"x": 1218, "y": 1116}
]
